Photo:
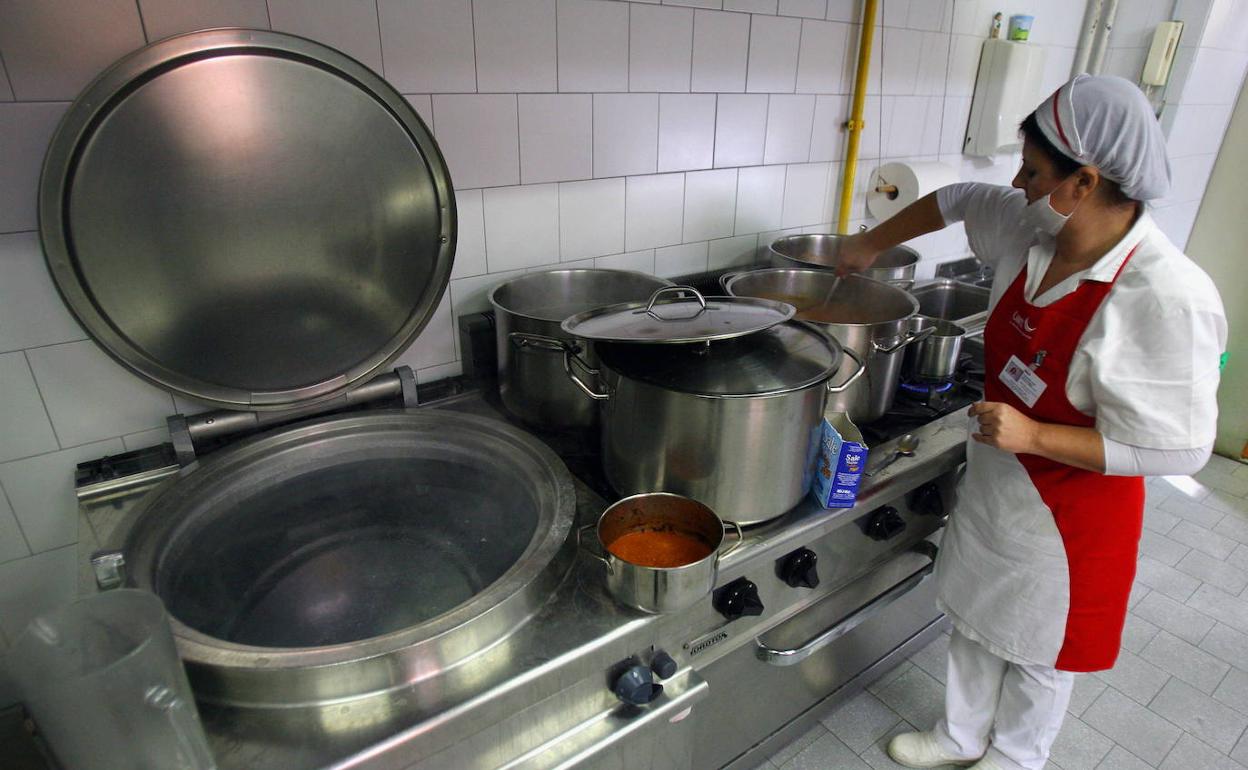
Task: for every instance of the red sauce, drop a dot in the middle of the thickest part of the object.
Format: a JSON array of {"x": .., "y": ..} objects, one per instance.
[{"x": 654, "y": 548}]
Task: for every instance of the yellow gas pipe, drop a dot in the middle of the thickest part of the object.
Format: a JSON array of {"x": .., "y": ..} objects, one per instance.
[{"x": 855, "y": 124}]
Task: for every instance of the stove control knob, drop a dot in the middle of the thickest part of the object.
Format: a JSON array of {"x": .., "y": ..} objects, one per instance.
[
  {"x": 635, "y": 685},
  {"x": 738, "y": 598},
  {"x": 798, "y": 569},
  {"x": 663, "y": 665},
  {"x": 885, "y": 523},
  {"x": 927, "y": 501}
]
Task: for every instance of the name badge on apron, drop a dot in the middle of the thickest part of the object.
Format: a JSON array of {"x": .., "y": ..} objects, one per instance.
[{"x": 1022, "y": 381}]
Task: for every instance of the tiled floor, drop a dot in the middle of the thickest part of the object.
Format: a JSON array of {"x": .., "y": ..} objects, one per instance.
[{"x": 1178, "y": 697}]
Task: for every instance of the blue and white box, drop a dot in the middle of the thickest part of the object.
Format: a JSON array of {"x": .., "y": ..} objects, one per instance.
[{"x": 840, "y": 459}]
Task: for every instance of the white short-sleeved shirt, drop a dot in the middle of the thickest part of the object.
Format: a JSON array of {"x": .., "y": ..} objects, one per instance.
[{"x": 1147, "y": 367}]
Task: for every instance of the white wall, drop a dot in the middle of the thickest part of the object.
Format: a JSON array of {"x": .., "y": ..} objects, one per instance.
[
  {"x": 589, "y": 132},
  {"x": 1217, "y": 245}
]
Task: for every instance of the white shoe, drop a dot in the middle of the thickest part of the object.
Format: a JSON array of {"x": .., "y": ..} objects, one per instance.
[
  {"x": 987, "y": 763},
  {"x": 922, "y": 750}
]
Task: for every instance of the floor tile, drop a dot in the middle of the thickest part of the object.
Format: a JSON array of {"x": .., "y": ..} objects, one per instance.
[
  {"x": 1239, "y": 557},
  {"x": 916, "y": 696},
  {"x": 1165, "y": 548},
  {"x": 861, "y": 721},
  {"x": 1186, "y": 661},
  {"x": 1135, "y": 677},
  {"x": 1190, "y": 753},
  {"x": 1216, "y": 572},
  {"x": 1121, "y": 759},
  {"x": 1220, "y": 605},
  {"x": 1216, "y": 724},
  {"x": 1159, "y": 521},
  {"x": 1227, "y": 503},
  {"x": 1228, "y": 644},
  {"x": 1124, "y": 721},
  {"x": 1233, "y": 690},
  {"x": 1202, "y": 539},
  {"x": 1138, "y": 592},
  {"x": 1087, "y": 689},
  {"x": 1137, "y": 632},
  {"x": 1220, "y": 479},
  {"x": 1168, "y": 580},
  {"x": 1078, "y": 746},
  {"x": 1240, "y": 753},
  {"x": 1234, "y": 526},
  {"x": 826, "y": 752},
  {"x": 1192, "y": 510},
  {"x": 800, "y": 742},
  {"x": 1179, "y": 619},
  {"x": 887, "y": 677}
]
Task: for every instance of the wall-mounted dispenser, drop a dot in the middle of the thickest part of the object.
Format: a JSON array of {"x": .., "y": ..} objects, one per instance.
[{"x": 1007, "y": 89}]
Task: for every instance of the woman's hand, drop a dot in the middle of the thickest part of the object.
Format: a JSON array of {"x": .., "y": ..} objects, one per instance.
[
  {"x": 854, "y": 253},
  {"x": 1004, "y": 427}
]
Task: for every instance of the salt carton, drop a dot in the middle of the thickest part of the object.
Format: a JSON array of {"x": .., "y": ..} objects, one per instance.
[{"x": 840, "y": 458}]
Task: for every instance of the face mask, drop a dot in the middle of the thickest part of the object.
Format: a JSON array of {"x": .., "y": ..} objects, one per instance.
[{"x": 1041, "y": 215}]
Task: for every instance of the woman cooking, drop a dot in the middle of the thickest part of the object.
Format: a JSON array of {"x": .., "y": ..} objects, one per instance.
[{"x": 1101, "y": 366}]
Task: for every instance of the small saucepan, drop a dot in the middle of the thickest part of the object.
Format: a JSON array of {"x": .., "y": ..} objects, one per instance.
[
  {"x": 662, "y": 550},
  {"x": 934, "y": 358}
]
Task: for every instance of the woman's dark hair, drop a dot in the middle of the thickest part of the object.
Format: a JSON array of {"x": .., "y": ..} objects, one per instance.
[{"x": 1065, "y": 164}]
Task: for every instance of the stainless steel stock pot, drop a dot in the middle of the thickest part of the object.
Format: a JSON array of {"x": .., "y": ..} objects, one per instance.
[
  {"x": 818, "y": 251},
  {"x": 527, "y": 313},
  {"x": 725, "y": 421},
  {"x": 866, "y": 316}
]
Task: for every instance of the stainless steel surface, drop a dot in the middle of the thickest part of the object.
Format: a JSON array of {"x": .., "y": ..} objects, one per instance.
[
  {"x": 540, "y": 696},
  {"x": 348, "y": 556},
  {"x": 906, "y": 446},
  {"x": 934, "y": 359},
  {"x": 872, "y": 321},
  {"x": 249, "y": 218},
  {"x": 791, "y": 656},
  {"x": 895, "y": 266},
  {"x": 678, "y": 315},
  {"x": 662, "y": 589},
  {"x": 695, "y": 419},
  {"x": 950, "y": 300},
  {"x": 531, "y": 382}
]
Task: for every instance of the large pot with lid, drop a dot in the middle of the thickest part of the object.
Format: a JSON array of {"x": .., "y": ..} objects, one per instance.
[
  {"x": 256, "y": 221},
  {"x": 717, "y": 399},
  {"x": 866, "y": 316},
  {"x": 528, "y": 312}
]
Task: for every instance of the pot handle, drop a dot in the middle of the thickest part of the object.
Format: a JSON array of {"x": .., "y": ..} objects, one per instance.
[
  {"x": 862, "y": 368},
  {"x": 539, "y": 341},
  {"x": 654, "y": 298},
  {"x": 910, "y": 336},
  {"x": 726, "y": 278},
  {"x": 582, "y": 546},
  {"x": 569, "y": 359},
  {"x": 732, "y": 525}
]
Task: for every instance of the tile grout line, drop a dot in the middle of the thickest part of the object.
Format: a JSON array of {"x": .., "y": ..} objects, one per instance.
[
  {"x": 381, "y": 49},
  {"x": 20, "y": 530}
]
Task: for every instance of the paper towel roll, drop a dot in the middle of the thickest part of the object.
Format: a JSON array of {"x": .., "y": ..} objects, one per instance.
[{"x": 912, "y": 180}]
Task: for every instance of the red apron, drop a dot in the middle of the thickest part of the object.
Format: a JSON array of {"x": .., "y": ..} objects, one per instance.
[{"x": 1099, "y": 517}]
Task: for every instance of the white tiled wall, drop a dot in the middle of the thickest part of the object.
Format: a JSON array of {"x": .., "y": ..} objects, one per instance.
[{"x": 669, "y": 137}]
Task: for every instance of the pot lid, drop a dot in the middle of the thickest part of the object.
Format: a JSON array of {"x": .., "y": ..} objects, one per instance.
[
  {"x": 248, "y": 218},
  {"x": 678, "y": 314},
  {"x": 781, "y": 359}
]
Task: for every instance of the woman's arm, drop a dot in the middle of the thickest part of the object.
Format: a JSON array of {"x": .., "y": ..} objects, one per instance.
[
  {"x": 859, "y": 251},
  {"x": 1004, "y": 427}
]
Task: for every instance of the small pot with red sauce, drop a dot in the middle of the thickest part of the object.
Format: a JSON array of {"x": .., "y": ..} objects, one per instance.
[{"x": 662, "y": 550}]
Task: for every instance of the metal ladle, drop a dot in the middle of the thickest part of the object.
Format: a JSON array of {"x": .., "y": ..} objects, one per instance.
[{"x": 905, "y": 448}]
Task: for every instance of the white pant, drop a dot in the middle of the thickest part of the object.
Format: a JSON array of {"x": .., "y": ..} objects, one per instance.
[{"x": 1008, "y": 710}]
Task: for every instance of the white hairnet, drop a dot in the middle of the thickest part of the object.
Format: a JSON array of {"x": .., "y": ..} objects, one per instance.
[{"x": 1105, "y": 121}]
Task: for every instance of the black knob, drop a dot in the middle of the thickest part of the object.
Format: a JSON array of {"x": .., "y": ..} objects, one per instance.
[
  {"x": 798, "y": 568},
  {"x": 740, "y": 597},
  {"x": 636, "y": 686},
  {"x": 663, "y": 665},
  {"x": 885, "y": 523},
  {"x": 927, "y": 501}
]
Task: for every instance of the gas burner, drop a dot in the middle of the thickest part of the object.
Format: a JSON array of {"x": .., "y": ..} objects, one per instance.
[{"x": 926, "y": 388}]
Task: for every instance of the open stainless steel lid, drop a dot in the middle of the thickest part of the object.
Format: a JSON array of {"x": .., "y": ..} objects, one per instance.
[
  {"x": 678, "y": 314},
  {"x": 249, "y": 218}
]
